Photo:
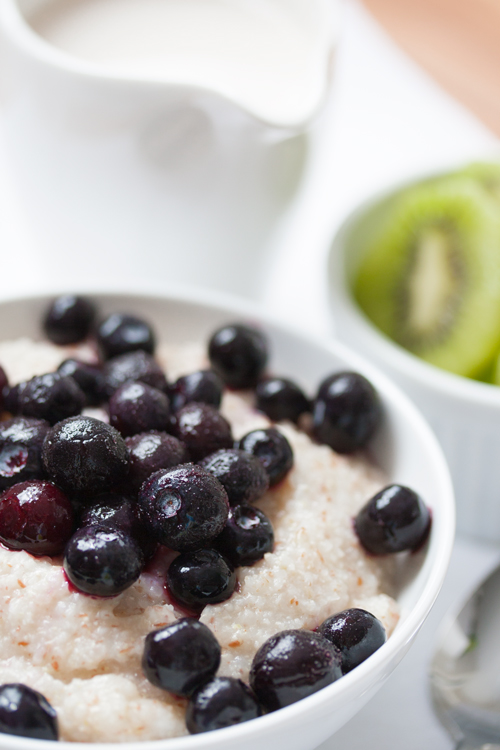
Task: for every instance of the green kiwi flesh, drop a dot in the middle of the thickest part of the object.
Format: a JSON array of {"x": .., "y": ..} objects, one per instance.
[
  {"x": 487, "y": 176},
  {"x": 429, "y": 274}
]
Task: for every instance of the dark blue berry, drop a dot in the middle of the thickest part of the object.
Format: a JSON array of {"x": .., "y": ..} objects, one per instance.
[
  {"x": 21, "y": 440},
  {"x": 272, "y": 449},
  {"x": 184, "y": 507},
  {"x": 133, "y": 366},
  {"x": 238, "y": 354},
  {"x": 69, "y": 319},
  {"x": 121, "y": 333},
  {"x": 136, "y": 407},
  {"x": 220, "y": 703},
  {"x": 101, "y": 561},
  {"x": 356, "y": 633},
  {"x": 4, "y": 387},
  {"x": 10, "y": 395},
  {"x": 203, "y": 386},
  {"x": 181, "y": 657},
  {"x": 51, "y": 397},
  {"x": 112, "y": 511},
  {"x": 346, "y": 412},
  {"x": 35, "y": 516},
  {"x": 292, "y": 665},
  {"x": 394, "y": 520},
  {"x": 202, "y": 430},
  {"x": 280, "y": 399},
  {"x": 151, "y": 451},
  {"x": 25, "y": 712},
  {"x": 242, "y": 474},
  {"x": 198, "y": 578},
  {"x": 85, "y": 455},
  {"x": 246, "y": 537},
  {"x": 88, "y": 377}
]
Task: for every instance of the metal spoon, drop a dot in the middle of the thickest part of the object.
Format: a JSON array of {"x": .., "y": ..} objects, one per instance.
[{"x": 465, "y": 671}]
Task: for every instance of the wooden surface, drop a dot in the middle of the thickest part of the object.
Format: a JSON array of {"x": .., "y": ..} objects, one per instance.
[{"x": 457, "y": 41}]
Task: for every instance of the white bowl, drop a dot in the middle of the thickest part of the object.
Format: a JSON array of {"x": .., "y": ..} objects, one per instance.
[
  {"x": 405, "y": 448},
  {"x": 465, "y": 414}
]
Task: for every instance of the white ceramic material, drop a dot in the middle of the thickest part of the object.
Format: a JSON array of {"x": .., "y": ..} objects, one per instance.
[
  {"x": 465, "y": 414},
  {"x": 405, "y": 448}
]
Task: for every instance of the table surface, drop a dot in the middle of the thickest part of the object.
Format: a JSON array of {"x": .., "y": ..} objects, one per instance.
[{"x": 386, "y": 120}]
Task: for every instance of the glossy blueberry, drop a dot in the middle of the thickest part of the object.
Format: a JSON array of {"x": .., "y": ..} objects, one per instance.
[
  {"x": 184, "y": 508},
  {"x": 10, "y": 395},
  {"x": 280, "y": 398},
  {"x": 242, "y": 474},
  {"x": 35, "y": 516},
  {"x": 85, "y": 455},
  {"x": 272, "y": 449},
  {"x": 203, "y": 386},
  {"x": 198, "y": 578},
  {"x": 394, "y": 520},
  {"x": 356, "y": 633},
  {"x": 136, "y": 407},
  {"x": 151, "y": 451},
  {"x": 181, "y": 657},
  {"x": 4, "y": 387},
  {"x": 346, "y": 412},
  {"x": 102, "y": 562},
  {"x": 292, "y": 665},
  {"x": 246, "y": 537},
  {"x": 238, "y": 353},
  {"x": 69, "y": 319},
  {"x": 51, "y": 397},
  {"x": 133, "y": 366},
  {"x": 26, "y": 713},
  {"x": 121, "y": 333},
  {"x": 220, "y": 703},
  {"x": 202, "y": 430},
  {"x": 88, "y": 377},
  {"x": 21, "y": 440}
]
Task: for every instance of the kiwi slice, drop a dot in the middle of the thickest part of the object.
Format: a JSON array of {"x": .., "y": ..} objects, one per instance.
[
  {"x": 429, "y": 275},
  {"x": 487, "y": 176}
]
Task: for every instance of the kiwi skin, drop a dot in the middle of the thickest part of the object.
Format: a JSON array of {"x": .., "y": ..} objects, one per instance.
[{"x": 467, "y": 336}]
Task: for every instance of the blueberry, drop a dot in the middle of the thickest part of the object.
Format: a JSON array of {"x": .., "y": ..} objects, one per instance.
[
  {"x": 25, "y": 712},
  {"x": 133, "y": 366},
  {"x": 121, "y": 333},
  {"x": 136, "y": 407},
  {"x": 246, "y": 537},
  {"x": 181, "y": 657},
  {"x": 102, "y": 562},
  {"x": 292, "y": 665},
  {"x": 202, "y": 430},
  {"x": 184, "y": 508},
  {"x": 21, "y": 440},
  {"x": 203, "y": 386},
  {"x": 346, "y": 412},
  {"x": 272, "y": 449},
  {"x": 356, "y": 633},
  {"x": 51, "y": 397},
  {"x": 4, "y": 387},
  {"x": 220, "y": 703},
  {"x": 10, "y": 395},
  {"x": 198, "y": 578},
  {"x": 85, "y": 455},
  {"x": 280, "y": 398},
  {"x": 35, "y": 516},
  {"x": 69, "y": 319},
  {"x": 242, "y": 474},
  {"x": 238, "y": 354},
  {"x": 394, "y": 520},
  {"x": 88, "y": 377},
  {"x": 150, "y": 451}
]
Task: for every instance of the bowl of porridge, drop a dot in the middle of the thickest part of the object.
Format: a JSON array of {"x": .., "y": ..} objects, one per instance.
[{"x": 87, "y": 653}]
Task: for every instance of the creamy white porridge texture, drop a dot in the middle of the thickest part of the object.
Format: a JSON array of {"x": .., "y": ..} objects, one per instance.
[{"x": 84, "y": 654}]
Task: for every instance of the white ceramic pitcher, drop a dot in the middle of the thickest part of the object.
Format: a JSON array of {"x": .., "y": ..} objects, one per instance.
[{"x": 127, "y": 176}]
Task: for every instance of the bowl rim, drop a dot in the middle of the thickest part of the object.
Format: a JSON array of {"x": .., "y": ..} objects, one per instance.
[
  {"x": 438, "y": 550},
  {"x": 415, "y": 369}
]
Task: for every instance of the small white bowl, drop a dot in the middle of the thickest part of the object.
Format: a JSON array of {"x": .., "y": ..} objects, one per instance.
[
  {"x": 405, "y": 448},
  {"x": 465, "y": 414}
]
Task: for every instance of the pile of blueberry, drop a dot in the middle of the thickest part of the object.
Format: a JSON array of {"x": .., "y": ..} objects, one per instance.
[{"x": 167, "y": 471}]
